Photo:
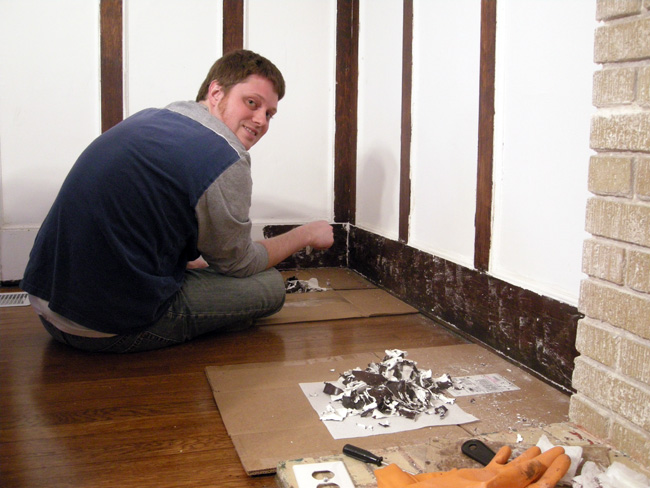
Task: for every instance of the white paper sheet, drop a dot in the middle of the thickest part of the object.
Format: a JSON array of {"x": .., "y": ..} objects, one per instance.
[
  {"x": 357, "y": 426},
  {"x": 481, "y": 384}
]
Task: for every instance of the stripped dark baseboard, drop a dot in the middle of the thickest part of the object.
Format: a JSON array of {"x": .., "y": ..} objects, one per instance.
[
  {"x": 335, "y": 257},
  {"x": 532, "y": 330},
  {"x": 535, "y": 331}
]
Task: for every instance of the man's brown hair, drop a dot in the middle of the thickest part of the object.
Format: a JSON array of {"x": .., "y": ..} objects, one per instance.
[{"x": 235, "y": 66}]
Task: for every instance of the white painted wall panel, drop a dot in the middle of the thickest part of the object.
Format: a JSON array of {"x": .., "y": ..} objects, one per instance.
[
  {"x": 446, "y": 55},
  {"x": 50, "y": 96},
  {"x": 169, "y": 48},
  {"x": 49, "y": 112},
  {"x": 543, "y": 110},
  {"x": 379, "y": 116},
  {"x": 293, "y": 165},
  {"x": 49, "y": 99}
]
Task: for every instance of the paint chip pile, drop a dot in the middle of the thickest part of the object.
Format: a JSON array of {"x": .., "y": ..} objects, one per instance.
[
  {"x": 294, "y": 285},
  {"x": 392, "y": 387}
]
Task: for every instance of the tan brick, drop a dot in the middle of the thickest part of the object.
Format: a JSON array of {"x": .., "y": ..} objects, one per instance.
[
  {"x": 621, "y": 132},
  {"x": 592, "y": 417},
  {"x": 592, "y": 379},
  {"x": 614, "y": 86},
  {"x": 626, "y": 397},
  {"x": 631, "y": 399},
  {"x": 642, "y": 178},
  {"x": 622, "y": 41},
  {"x": 619, "y": 219},
  {"x": 635, "y": 358},
  {"x": 616, "y": 306},
  {"x": 610, "y": 175},
  {"x": 599, "y": 342},
  {"x": 632, "y": 440},
  {"x": 643, "y": 86},
  {"x": 637, "y": 270},
  {"x": 604, "y": 260},
  {"x": 609, "y": 9}
]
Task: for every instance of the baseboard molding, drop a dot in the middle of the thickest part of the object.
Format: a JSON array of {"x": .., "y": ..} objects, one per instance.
[
  {"x": 15, "y": 245},
  {"x": 335, "y": 257},
  {"x": 535, "y": 331}
]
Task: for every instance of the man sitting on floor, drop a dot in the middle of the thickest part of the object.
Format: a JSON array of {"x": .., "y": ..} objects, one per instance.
[{"x": 148, "y": 243}]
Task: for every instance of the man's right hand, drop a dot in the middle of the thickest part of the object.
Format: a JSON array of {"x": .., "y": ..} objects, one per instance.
[
  {"x": 322, "y": 234},
  {"x": 318, "y": 234}
]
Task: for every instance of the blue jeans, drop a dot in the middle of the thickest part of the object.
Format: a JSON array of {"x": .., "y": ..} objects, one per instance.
[{"x": 207, "y": 302}]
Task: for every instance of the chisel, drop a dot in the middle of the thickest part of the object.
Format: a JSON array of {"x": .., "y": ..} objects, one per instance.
[
  {"x": 366, "y": 456},
  {"x": 362, "y": 455}
]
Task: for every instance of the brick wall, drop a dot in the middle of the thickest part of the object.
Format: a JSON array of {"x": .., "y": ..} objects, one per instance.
[{"x": 612, "y": 373}]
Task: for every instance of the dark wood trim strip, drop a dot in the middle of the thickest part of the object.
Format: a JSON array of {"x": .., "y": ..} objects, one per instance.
[
  {"x": 112, "y": 69},
  {"x": 534, "y": 331},
  {"x": 483, "y": 222},
  {"x": 345, "y": 137},
  {"x": 233, "y": 25},
  {"x": 405, "y": 151}
]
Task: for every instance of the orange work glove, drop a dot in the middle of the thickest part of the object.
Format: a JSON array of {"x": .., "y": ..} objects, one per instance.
[{"x": 532, "y": 469}]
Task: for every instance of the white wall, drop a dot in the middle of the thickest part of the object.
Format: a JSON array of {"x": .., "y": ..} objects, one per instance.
[
  {"x": 169, "y": 48},
  {"x": 446, "y": 56},
  {"x": 379, "y": 116},
  {"x": 49, "y": 111},
  {"x": 542, "y": 120},
  {"x": 543, "y": 110},
  {"x": 293, "y": 166},
  {"x": 50, "y": 98}
]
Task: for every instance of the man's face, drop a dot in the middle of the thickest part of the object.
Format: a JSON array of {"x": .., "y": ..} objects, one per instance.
[{"x": 246, "y": 109}]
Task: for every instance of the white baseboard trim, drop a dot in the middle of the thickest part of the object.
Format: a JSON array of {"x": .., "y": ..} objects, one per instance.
[{"x": 15, "y": 245}]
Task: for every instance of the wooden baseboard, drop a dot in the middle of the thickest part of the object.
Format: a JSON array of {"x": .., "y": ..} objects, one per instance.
[
  {"x": 335, "y": 257},
  {"x": 535, "y": 331}
]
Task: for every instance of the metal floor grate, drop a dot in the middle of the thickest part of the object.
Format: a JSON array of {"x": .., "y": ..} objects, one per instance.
[{"x": 16, "y": 299}]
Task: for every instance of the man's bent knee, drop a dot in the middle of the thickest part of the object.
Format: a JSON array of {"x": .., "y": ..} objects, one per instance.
[{"x": 274, "y": 290}]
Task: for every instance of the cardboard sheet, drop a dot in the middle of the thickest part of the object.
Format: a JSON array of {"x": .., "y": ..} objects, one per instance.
[
  {"x": 334, "y": 278},
  {"x": 337, "y": 304},
  {"x": 270, "y": 420}
]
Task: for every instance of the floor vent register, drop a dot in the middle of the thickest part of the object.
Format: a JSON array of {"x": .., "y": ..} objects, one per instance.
[{"x": 14, "y": 299}]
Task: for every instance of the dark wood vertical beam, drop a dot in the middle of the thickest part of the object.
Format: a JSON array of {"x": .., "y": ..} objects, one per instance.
[
  {"x": 345, "y": 138},
  {"x": 112, "y": 91},
  {"x": 233, "y": 25},
  {"x": 483, "y": 222},
  {"x": 405, "y": 151}
]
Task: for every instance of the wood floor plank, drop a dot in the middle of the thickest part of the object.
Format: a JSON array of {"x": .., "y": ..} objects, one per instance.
[{"x": 72, "y": 419}]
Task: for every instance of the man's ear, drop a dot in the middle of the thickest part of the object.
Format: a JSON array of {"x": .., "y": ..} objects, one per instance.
[{"x": 215, "y": 93}]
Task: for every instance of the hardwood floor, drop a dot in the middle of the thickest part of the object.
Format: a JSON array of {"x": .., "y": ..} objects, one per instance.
[{"x": 70, "y": 419}]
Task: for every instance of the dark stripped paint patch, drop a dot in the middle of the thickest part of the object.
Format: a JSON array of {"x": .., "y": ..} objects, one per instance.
[
  {"x": 533, "y": 330},
  {"x": 334, "y": 257}
]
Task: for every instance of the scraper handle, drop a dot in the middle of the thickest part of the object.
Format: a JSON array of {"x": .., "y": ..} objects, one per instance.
[
  {"x": 478, "y": 451},
  {"x": 362, "y": 455}
]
